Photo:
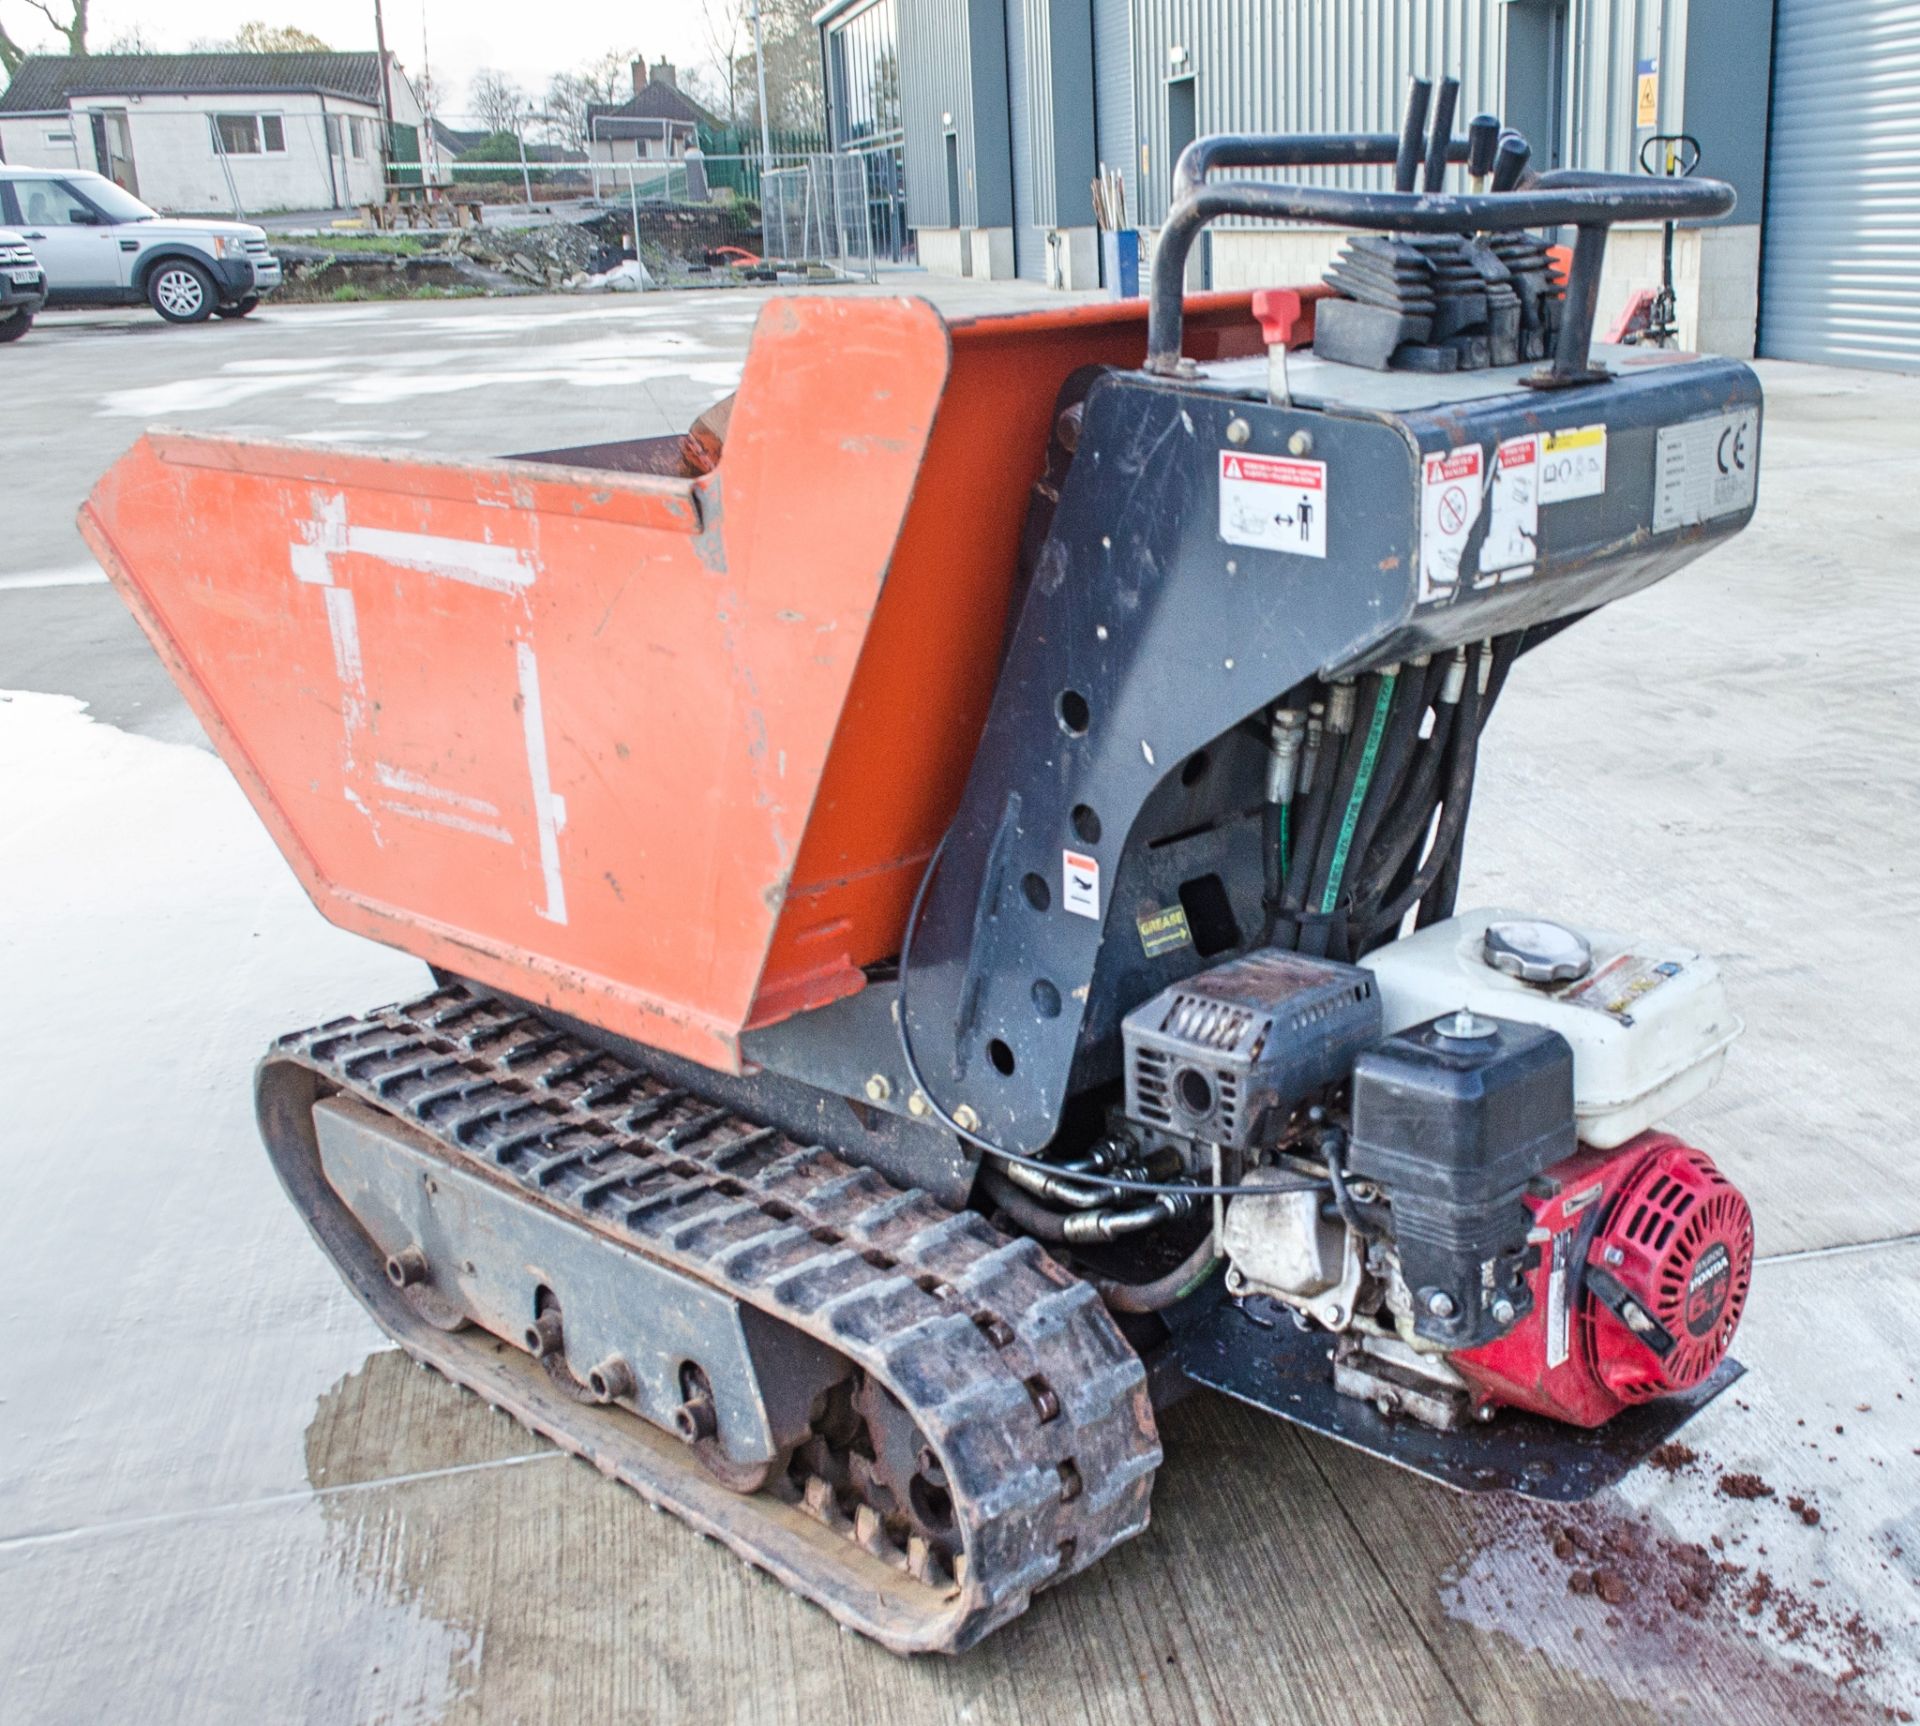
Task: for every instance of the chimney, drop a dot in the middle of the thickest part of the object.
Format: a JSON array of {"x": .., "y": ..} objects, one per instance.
[
  {"x": 639, "y": 76},
  {"x": 665, "y": 73}
]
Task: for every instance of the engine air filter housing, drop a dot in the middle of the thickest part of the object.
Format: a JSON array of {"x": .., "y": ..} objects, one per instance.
[{"x": 1215, "y": 1057}]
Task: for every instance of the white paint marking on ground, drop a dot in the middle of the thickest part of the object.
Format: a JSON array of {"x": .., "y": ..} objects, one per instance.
[
  {"x": 73, "y": 575},
  {"x": 549, "y": 809}
]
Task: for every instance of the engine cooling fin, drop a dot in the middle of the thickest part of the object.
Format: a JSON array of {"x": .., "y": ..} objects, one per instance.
[{"x": 1033, "y": 1406}]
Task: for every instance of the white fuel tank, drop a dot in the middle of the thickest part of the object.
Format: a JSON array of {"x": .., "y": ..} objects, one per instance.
[{"x": 1649, "y": 1022}]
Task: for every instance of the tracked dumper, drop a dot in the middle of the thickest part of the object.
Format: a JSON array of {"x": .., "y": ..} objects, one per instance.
[{"x": 941, "y": 888}]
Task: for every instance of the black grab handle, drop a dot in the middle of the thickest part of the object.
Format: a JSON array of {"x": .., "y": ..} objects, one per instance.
[{"x": 1588, "y": 202}]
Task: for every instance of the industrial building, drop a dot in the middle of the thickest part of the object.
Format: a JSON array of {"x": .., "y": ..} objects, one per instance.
[{"x": 1002, "y": 112}]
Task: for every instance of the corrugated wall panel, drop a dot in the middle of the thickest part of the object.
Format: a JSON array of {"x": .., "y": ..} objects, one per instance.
[
  {"x": 1339, "y": 65},
  {"x": 1113, "y": 93},
  {"x": 1029, "y": 254},
  {"x": 934, "y": 81},
  {"x": 1840, "y": 253}
]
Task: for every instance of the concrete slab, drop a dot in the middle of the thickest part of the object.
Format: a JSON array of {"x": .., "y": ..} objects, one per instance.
[{"x": 222, "y": 1499}]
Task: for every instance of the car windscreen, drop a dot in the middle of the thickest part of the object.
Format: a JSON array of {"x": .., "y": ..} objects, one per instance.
[{"x": 116, "y": 203}]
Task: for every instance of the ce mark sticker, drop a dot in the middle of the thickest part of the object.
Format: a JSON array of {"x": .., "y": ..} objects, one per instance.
[
  {"x": 1731, "y": 454},
  {"x": 1705, "y": 468}
]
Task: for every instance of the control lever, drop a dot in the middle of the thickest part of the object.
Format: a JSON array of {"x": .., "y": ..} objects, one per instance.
[
  {"x": 1510, "y": 162},
  {"x": 1277, "y": 311},
  {"x": 1441, "y": 135},
  {"x": 1483, "y": 139},
  {"x": 1413, "y": 129}
]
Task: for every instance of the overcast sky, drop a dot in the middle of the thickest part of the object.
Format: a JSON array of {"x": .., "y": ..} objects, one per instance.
[{"x": 531, "y": 42}]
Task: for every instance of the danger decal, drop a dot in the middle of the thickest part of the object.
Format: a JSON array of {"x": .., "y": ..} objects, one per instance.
[
  {"x": 1451, "y": 493},
  {"x": 1273, "y": 504},
  {"x": 1080, "y": 884}
]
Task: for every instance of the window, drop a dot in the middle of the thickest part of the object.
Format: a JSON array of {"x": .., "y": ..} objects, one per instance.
[
  {"x": 273, "y": 134},
  {"x": 58, "y": 137},
  {"x": 334, "y": 145},
  {"x": 357, "y": 136},
  {"x": 236, "y": 134},
  {"x": 48, "y": 204}
]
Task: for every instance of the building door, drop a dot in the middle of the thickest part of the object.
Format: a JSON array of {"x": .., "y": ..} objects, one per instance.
[
  {"x": 1535, "y": 97},
  {"x": 113, "y": 147},
  {"x": 953, "y": 180},
  {"x": 1840, "y": 246}
]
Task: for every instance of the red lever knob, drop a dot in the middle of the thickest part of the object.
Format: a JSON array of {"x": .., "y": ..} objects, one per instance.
[{"x": 1278, "y": 310}]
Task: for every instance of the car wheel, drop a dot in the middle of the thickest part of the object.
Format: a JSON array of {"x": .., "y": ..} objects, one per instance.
[
  {"x": 181, "y": 292},
  {"x": 239, "y": 308},
  {"x": 13, "y": 328}
]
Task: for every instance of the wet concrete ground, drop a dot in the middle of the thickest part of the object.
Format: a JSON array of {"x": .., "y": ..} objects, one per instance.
[{"x": 222, "y": 1499}]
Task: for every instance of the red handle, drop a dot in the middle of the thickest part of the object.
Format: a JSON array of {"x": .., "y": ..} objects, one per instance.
[{"x": 1278, "y": 310}]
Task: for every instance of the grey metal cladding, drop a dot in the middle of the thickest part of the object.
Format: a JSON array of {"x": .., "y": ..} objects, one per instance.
[
  {"x": 1840, "y": 263},
  {"x": 1342, "y": 65}
]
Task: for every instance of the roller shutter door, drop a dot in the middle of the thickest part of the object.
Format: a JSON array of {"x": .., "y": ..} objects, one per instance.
[{"x": 1840, "y": 257}]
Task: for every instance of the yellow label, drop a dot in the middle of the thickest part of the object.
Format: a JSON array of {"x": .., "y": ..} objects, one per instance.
[
  {"x": 1648, "y": 113},
  {"x": 1162, "y": 931},
  {"x": 1580, "y": 437}
]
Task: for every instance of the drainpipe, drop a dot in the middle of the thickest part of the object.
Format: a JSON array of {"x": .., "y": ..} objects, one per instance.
[{"x": 326, "y": 149}]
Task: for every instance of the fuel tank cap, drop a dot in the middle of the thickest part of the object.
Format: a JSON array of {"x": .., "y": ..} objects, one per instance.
[{"x": 1537, "y": 952}]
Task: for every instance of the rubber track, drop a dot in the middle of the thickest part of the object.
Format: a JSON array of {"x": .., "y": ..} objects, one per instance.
[{"x": 1011, "y": 1366}]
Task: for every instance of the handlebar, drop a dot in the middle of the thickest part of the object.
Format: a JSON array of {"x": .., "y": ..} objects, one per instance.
[{"x": 1589, "y": 202}]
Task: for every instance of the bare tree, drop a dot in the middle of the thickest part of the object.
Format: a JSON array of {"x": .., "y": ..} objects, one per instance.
[
  {"x": 727, "y": 35},
  {"x": 602, "y": 80},
  {"x": 496, "y": 101},
  {"x": 795, "y": 98},
  {"x": 69, "y": 23}
]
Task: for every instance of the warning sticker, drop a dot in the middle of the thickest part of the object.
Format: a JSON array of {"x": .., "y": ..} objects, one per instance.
[
  {"x": 1450, "y": 499},
  {"x": 1273, "y": 504},
  {"x": 1573, "y": 464},
  {"x": 1163, "y": 931},
  {"x": 1705, "y": 468},
  {"x": 1080, "y": 884},
  {"x": 1617, "y": 986},
  {"x": 1513, "y": 513}
]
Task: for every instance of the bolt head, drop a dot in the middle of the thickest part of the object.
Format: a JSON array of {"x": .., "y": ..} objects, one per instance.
[
  {"x": 1503, "y": 1311},
  {"x": 966, "y": 1118},
  {"x": 1300, "y": 443},
  {"x": 1440, "y": 1304},
  {"x": 1238, "y": 431},
  {"x": 879, "y": 1088},
  {"x": 918, "y": 1106}
]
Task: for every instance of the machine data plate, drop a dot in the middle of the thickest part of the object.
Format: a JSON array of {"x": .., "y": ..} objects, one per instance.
[{"x": 1285, "y": 1371}]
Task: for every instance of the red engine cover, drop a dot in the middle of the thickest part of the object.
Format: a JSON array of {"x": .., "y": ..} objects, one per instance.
[{"x": 1641, "y": 1302}]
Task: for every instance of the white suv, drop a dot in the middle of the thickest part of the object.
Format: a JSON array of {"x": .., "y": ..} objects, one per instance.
[{"x": 101, "y": 246}]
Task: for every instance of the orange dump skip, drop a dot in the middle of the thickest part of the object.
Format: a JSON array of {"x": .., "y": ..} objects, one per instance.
[{"x": 664, "y": 753}]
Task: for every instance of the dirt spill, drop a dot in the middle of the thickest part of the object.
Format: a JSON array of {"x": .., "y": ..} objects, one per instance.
[{"x": 1654, "y": 1586}]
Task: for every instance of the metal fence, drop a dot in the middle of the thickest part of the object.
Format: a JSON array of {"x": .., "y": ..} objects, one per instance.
[{"x": 818, "y": 212}]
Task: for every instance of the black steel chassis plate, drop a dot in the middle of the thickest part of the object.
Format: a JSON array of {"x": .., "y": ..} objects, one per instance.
[{"x": 1287, "y": 1372}]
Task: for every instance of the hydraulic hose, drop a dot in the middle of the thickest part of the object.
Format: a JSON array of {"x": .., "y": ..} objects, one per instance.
[{"x": 1162, "y": 1292}]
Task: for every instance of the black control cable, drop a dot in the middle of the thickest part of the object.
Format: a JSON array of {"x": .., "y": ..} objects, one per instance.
[{"x": 1117, "y": 1182}]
